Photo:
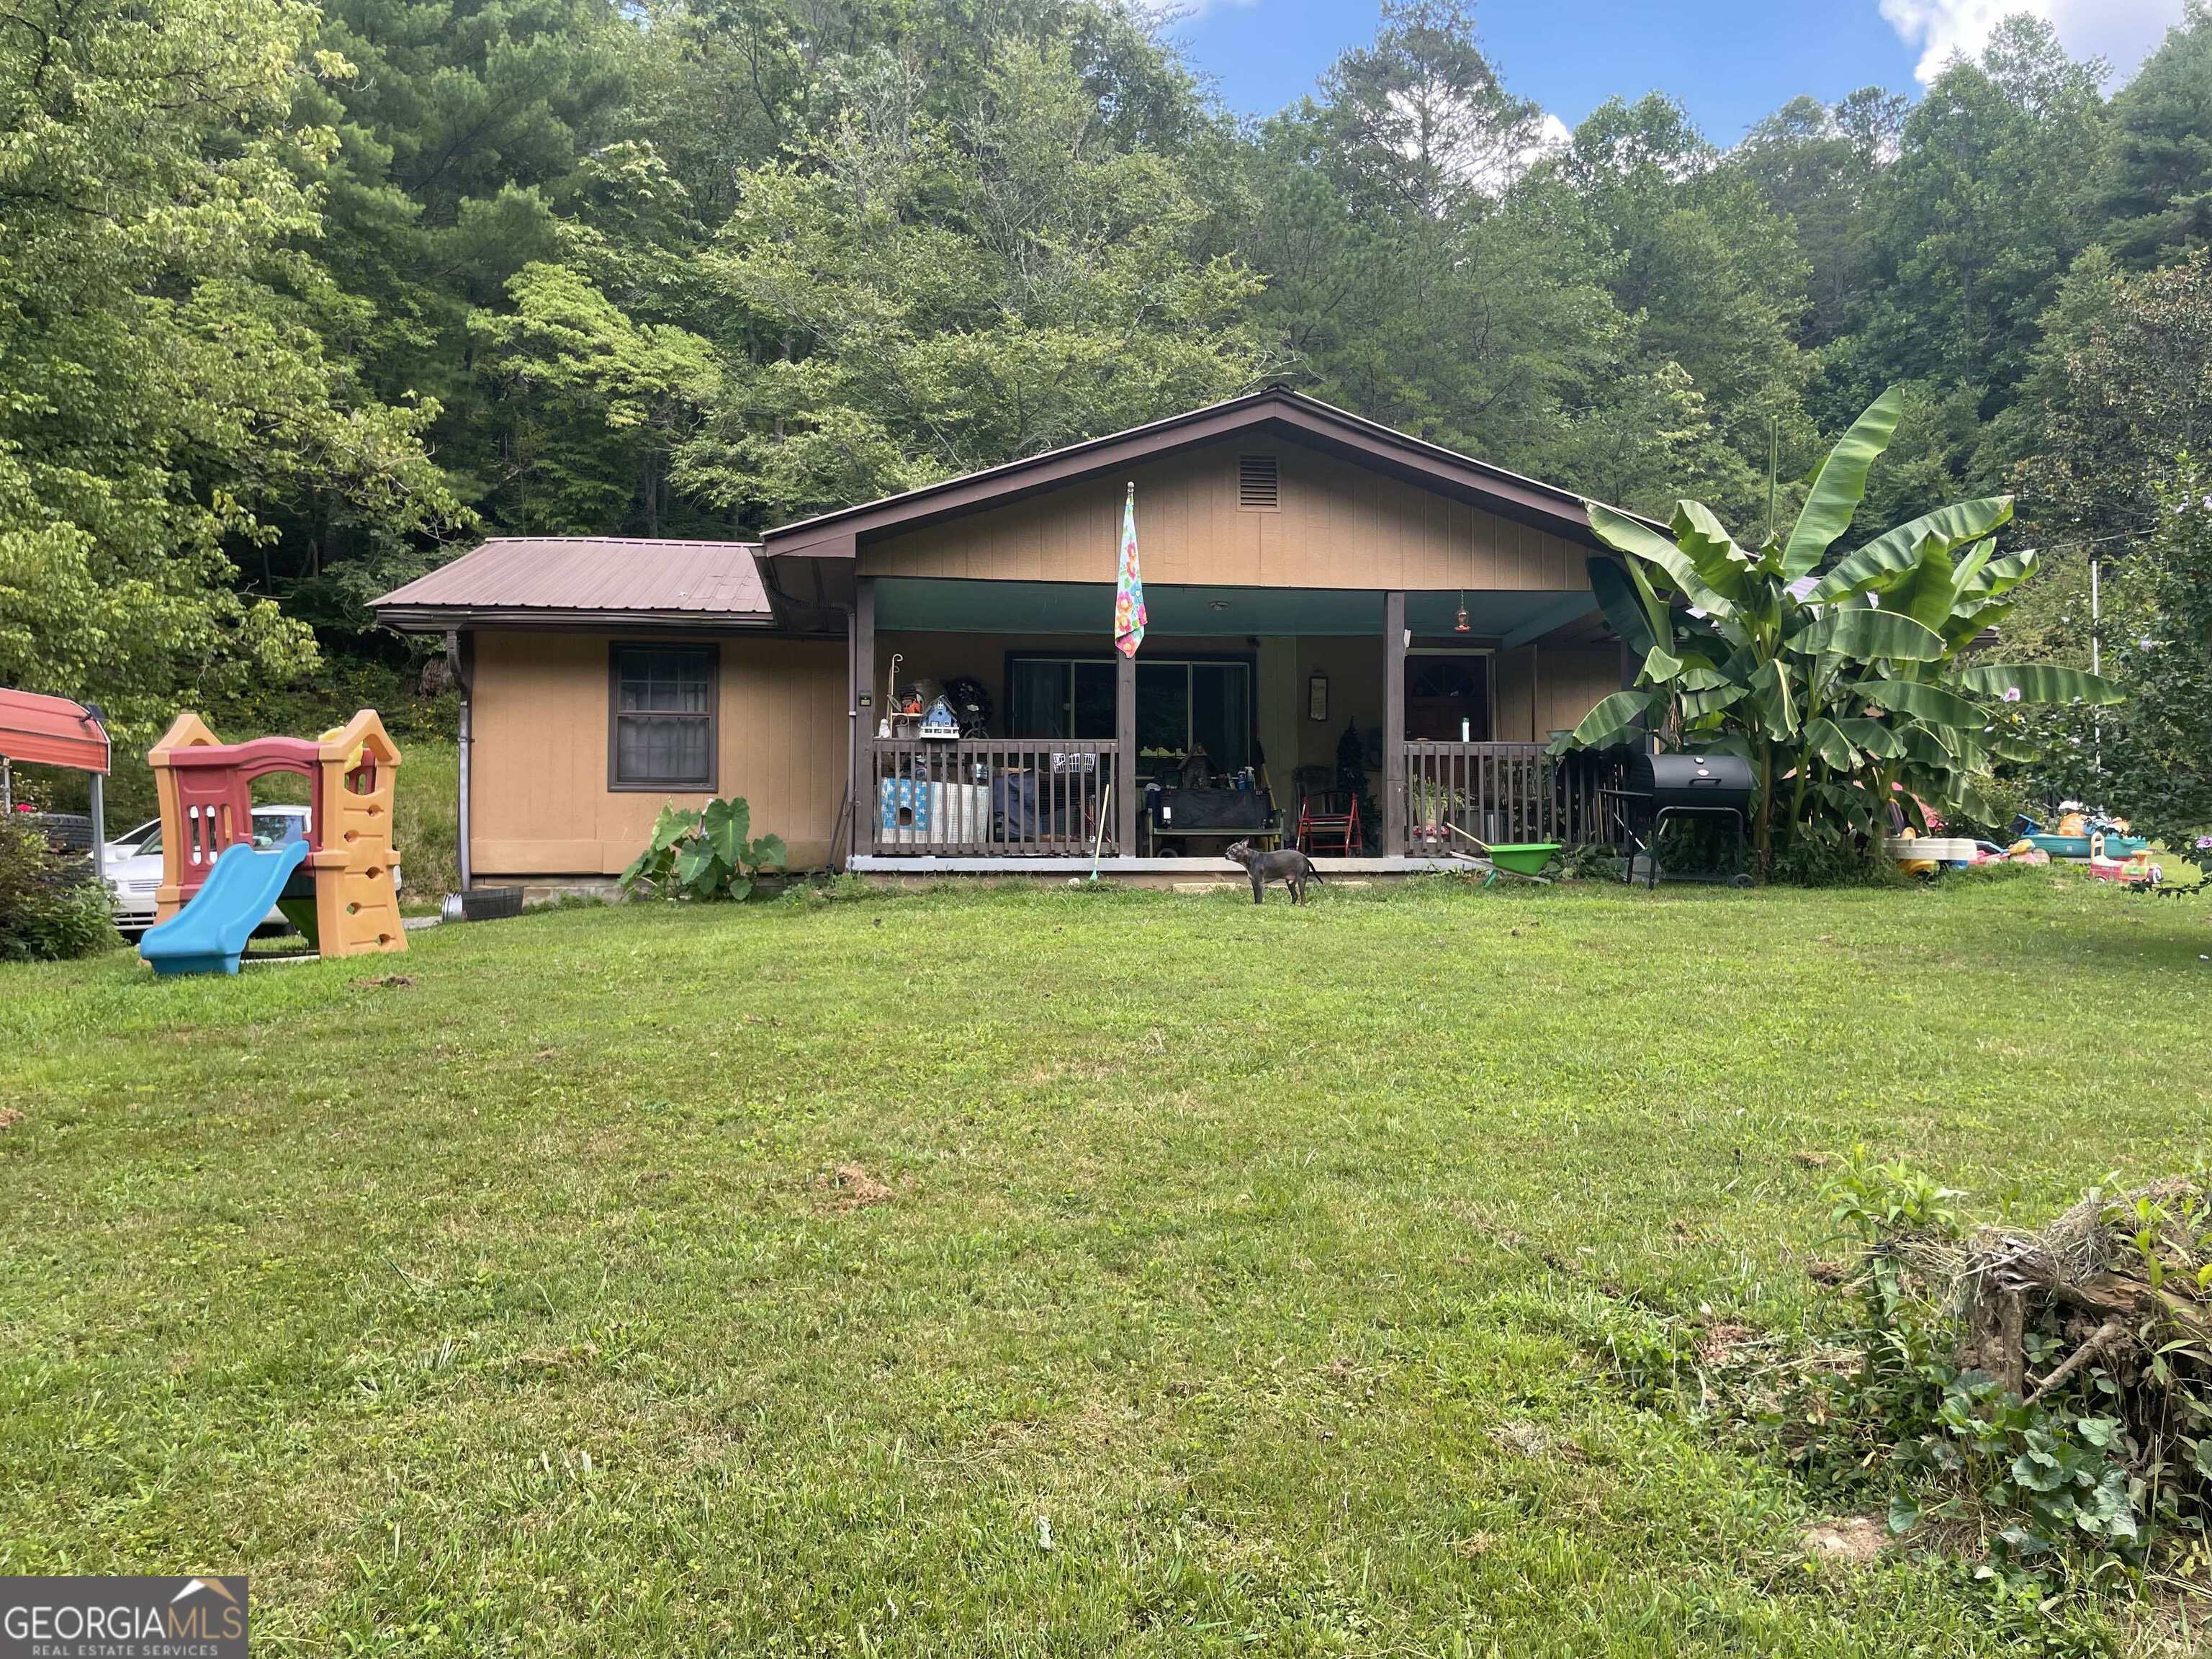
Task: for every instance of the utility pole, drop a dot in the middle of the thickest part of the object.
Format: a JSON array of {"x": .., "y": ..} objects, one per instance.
[{"x": 2096, "y": 666}]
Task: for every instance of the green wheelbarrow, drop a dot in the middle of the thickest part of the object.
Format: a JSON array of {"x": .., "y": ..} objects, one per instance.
[{"x": 1524, "y": 860}]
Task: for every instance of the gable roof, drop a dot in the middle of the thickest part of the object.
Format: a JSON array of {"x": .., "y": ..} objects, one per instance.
[
  {"x": 1308, "y": 420},
  {"x": 583, "y": 579}
]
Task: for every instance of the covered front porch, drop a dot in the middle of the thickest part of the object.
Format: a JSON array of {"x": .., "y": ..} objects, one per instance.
[{"x": 1425, "y": 712}]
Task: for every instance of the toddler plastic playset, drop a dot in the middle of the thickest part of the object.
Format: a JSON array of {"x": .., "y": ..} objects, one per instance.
[{"x": 335, "y": 884}]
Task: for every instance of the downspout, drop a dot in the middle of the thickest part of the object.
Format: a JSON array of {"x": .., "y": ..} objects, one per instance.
[{"x": 851, "y": 823}]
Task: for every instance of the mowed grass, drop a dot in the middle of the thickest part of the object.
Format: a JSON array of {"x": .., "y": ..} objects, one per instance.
[{"x": 1243, "y": 1283}]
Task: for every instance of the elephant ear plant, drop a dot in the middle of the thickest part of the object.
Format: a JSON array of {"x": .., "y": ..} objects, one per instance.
[
  {"x": 703, "y": 854},
  {"x": 1840, "y": 681}
]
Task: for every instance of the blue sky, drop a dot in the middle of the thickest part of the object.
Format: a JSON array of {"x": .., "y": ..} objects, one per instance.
[{"x": 1730, "y": 61}]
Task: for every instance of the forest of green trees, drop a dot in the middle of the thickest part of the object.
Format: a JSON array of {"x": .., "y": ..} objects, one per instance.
[{"x": 298, "y": 300}]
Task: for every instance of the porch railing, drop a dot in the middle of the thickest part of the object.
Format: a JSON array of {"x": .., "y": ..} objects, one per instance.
[
  {"x": 1502, "y": 793},
  {"x": 986, "y": 797},
  {"x": 1044, "y": 797}
]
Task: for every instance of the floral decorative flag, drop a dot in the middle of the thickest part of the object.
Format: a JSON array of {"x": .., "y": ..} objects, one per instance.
[{"x": 1129, "y": 587}]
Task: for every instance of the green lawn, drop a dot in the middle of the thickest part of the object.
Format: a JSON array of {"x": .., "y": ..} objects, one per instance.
[{"x": 1242, "y": 1282}]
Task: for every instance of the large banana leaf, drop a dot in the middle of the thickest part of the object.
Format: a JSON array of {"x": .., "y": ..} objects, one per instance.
[
  {"x": 1719, "y": 562},
  {"x": 1967, "y": 800},
  {"x": 1660, "y": 667},
  {"x": 1967, "y": 621},
  {"x": 1697, "y": 704},
  {"x": 1871, "y": 636},
  {"x": 1998, "y": 576},
  {"x": 1778, "y": 707},
  {"x": 1626, "y": 535},
  {"x": 1631, "y": 609},
  {"x": 1703, "y": 688},
  {"x": 1883, "y": 558},
  {"x": 1825, "y": 739},
  {"x": 1926, "y": 703},
  {"x": 1924, "y": 746},
  {"x": 2039, "y": 681},
  {"x": 1849, "y": 801},
  {"x": 1930, "y": 587},
  {"x": 1871, "y": 735},
  {"x": 1840, "y": 484},
  {"x": 1967, "y": 587},
  {"x": 1613, "y": 720},
  {"x": 1968, "y": 753}
]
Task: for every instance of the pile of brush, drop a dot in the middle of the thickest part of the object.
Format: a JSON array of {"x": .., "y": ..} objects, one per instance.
[{"x": 2116, "y": 1292}]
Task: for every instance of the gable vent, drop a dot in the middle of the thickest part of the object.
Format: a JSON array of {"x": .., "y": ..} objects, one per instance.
[{"x": 1257, "y": 483}]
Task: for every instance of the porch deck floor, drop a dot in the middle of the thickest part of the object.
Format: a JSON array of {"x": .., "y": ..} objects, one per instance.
[{"x": 931, "y": 864}]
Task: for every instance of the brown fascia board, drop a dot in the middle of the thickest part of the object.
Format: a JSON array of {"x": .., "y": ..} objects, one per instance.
[
  {"x": 838, "y": 535},
  {"x": 438, "y": 619}
]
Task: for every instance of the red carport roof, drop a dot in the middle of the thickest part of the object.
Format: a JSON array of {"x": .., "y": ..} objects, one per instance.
[{"x": 43, "y": 731}]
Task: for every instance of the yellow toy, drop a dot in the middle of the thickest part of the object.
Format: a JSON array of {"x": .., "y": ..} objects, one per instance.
[
  {"x": 216, "y": 886},
  {"x": 1912, "y": 866}
]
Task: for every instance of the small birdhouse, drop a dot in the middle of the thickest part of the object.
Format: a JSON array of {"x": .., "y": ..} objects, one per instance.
[{"x": 939, "y": 721}]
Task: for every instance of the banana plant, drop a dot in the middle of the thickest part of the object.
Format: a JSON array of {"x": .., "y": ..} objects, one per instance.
[{"x": 1844, "y": 683}]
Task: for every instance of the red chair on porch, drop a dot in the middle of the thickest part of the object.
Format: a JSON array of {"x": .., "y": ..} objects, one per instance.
[{"x": 1328, "y": 819}]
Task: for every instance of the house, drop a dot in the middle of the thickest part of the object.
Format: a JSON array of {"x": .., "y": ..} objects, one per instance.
[{"x": 1306, "y": 572}]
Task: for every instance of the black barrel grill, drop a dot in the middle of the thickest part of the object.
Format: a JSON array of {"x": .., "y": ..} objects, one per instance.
[{"x": 1687, "y": 784}]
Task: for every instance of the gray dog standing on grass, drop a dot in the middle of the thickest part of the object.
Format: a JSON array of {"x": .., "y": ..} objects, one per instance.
[{"x": 1290, "y": 866}]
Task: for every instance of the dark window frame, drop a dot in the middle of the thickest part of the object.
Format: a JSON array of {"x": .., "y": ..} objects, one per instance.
[
  {"x": 617, "y": 784},
  {"x": 1249, "y": 660}
]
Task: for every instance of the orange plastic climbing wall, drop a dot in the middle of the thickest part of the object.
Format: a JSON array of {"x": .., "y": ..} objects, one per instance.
[{"x": 356, "y": 906}]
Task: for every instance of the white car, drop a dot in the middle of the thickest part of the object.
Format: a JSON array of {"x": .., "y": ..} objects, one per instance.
[{"x": 134, "y": 864}]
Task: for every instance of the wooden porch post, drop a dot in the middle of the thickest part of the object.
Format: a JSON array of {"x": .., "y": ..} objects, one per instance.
[
  {"x": 1393, "y": 723},
  {"x": 1125, "y": 754},
  {"x": 860, "y": 835}
]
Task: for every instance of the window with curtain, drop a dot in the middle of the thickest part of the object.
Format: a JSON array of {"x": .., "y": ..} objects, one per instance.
[{"x": 663, "y": 716}]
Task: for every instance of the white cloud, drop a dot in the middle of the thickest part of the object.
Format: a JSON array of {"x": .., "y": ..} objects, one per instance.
[
  {"x": 1553, "y": 135},
  {"x": 2124, "y": 31},
  {"x": 1165, "y": 13}
]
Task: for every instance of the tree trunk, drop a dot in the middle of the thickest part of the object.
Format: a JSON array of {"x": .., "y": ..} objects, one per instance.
[{"x": 1763, "y": 832}]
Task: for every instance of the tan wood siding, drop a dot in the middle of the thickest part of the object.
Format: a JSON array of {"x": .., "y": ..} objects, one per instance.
[
  {"x": 1340, "y": 524},
  {"x": 539, "y": 800},
  {"x": 1547, "y": 689},
  {"x": 1573, "y": 680}
]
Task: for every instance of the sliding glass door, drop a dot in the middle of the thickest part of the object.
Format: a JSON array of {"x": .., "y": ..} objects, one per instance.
[{"x": 1181, "y": 703}]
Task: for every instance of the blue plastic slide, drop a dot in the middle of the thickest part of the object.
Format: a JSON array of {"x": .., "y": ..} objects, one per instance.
[{"x": 208, "y": 934}]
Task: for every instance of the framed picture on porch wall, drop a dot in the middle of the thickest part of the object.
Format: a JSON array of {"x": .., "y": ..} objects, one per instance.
[{"x": 1317, "y": 697}]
